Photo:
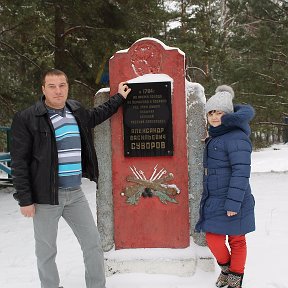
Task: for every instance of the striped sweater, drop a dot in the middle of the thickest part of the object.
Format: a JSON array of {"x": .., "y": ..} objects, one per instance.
[{"x": 69, "y": 147}]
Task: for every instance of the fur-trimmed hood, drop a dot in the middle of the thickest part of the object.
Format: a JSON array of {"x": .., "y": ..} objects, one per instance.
[{"x": 240, "y": 118}]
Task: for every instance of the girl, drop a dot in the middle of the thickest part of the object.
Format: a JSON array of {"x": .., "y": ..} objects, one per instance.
[{"x": 227, "y": 205}]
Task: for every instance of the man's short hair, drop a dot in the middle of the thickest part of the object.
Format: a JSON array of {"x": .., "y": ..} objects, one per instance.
[{"x": 53, "y": 71}]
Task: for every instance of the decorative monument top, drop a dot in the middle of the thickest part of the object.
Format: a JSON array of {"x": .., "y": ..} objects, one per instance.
[
  {"x": 147, "y": 56},
  {"x": 165, "y": 47}
]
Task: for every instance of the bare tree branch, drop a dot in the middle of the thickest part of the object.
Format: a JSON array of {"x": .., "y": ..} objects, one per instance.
[
  {"x": 72, "y": 29},
  {"x": 19, "y": 54},
  {"x": 260, "y": 107},
  {"x": 25, "y": 22},
  {"x": 278, "y": 60},
  {"x": 7, "y": 104},
  {"x": 272, "y": 123},
  {"x": 52, "y": 44},
  {"x": 281, "y": 103},
  {"x": 85, "y": 85},
  {"x": 10, "y": 29},
  {"x": 197, "y": 68},
  {"x": 251, "y": 23},
  {"x": 264, "y": 75},
  {"x": 76, "y": 61},
  {"x": 280, "y": 8},
  {"x": 281, "y": 53},
  {"x": 256, "y": 94}
]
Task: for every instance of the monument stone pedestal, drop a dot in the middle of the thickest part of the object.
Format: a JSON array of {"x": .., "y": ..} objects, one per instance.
[{"x": 178, "y": 262}]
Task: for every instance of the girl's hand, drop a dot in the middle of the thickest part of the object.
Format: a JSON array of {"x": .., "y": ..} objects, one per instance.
[{"x": 231, "y": 213}]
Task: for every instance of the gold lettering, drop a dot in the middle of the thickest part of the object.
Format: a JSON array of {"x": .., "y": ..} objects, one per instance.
[
  {"x": 156, "y": 101},
  {"x": 154, "y": 106},
  {"x": 148, "y": 145},
  {"x": 155, "y": 121},
  {"x": 149, "y": 116},
  {"x": 147, "y": 111},
  {"x": 147, "y": 130}
]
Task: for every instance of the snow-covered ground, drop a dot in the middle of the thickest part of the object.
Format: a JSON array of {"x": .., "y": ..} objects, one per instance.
[{"x": 267, "y": 246}]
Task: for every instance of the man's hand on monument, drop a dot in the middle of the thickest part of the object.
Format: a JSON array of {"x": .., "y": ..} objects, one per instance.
[
  {"x": 28, "y": 211},
  {"x": 123, "y": 89}
]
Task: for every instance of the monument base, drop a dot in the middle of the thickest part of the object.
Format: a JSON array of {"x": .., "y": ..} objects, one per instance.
[{"x": 178, "y": 262}]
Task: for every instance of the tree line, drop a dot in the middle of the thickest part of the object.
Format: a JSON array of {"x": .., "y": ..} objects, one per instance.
[{"x": 241, "y": 43}]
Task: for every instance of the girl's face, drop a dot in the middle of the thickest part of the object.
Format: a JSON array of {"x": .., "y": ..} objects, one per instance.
[{"x": 214, "y": 118}]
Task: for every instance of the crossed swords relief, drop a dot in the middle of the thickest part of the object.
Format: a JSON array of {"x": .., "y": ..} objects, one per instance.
[{"x": 154, "y": 186}]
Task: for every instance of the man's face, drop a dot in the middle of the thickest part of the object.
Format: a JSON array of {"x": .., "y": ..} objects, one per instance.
[{"x": 55, "y": 90}]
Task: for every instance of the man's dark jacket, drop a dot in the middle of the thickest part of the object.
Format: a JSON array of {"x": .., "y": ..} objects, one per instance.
[{"x": 34, "y": 152}]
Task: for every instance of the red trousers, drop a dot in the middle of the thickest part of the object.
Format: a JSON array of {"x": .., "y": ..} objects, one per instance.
[{"x": 235, "y": 251}]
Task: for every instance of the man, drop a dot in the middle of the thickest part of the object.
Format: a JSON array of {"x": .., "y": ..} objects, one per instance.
[{"x": 52, "y": 148}]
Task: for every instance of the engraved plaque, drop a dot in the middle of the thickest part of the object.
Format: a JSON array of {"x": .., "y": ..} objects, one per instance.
[{"x": 147, "y": 118}]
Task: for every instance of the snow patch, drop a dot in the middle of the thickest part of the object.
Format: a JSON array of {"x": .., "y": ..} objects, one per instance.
[{"x": 196, "y": 89}]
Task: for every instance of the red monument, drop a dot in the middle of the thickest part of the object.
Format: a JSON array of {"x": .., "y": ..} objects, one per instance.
[{"x": 149, "y": 148}]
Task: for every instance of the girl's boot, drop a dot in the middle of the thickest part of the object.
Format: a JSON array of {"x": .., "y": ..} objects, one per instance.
[
  {"x": 235, "y": 280},
  {"x": 223, "y": 277}
]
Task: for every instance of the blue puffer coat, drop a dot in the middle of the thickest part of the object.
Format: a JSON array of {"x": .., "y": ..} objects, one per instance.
[{"x": 227, "y": 160}]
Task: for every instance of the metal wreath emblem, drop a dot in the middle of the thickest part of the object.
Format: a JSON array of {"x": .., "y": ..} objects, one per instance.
[{"x": 154, "y": 186}]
